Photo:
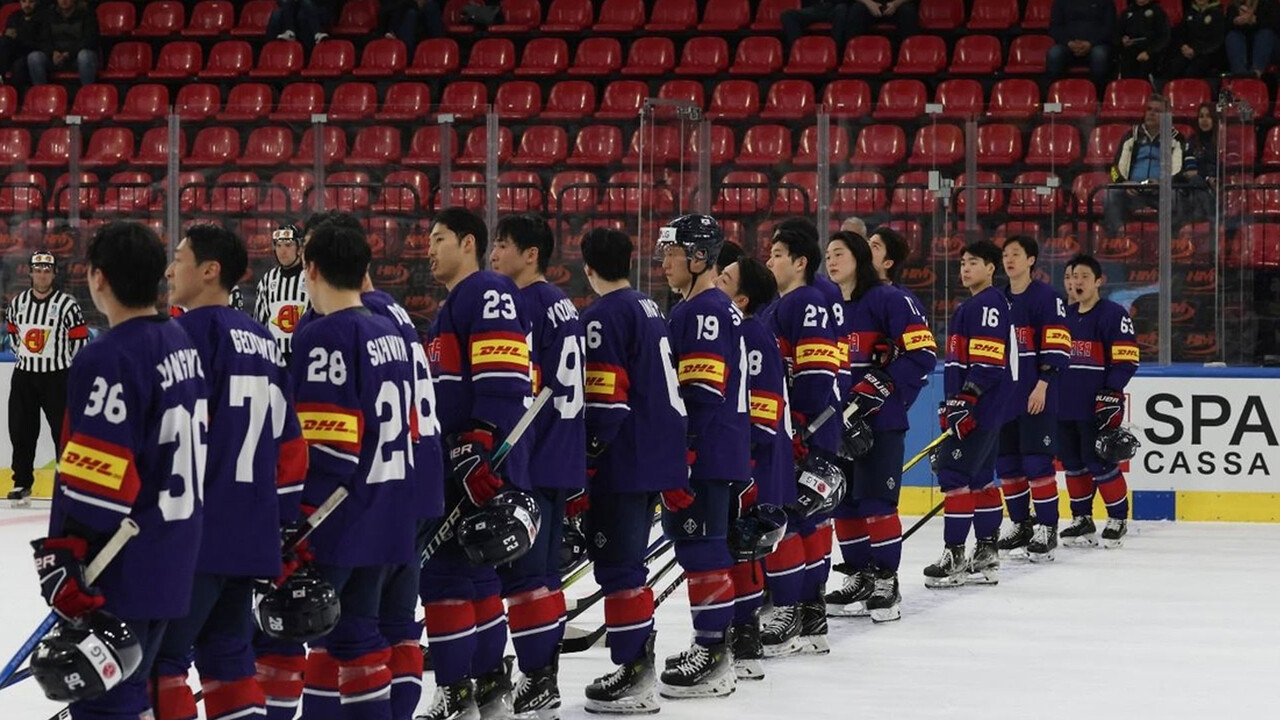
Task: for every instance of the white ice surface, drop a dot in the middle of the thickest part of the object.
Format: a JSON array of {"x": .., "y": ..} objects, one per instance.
[{"x": 1183, "y": 622}]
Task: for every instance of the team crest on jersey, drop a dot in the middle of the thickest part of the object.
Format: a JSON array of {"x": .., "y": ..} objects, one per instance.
[
  {"x": 35, "y": 339},
  {"x": 287, "y": 318}
]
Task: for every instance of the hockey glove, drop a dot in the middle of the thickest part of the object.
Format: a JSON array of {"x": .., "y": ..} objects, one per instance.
[
  {"x": 577, "y": 504},
  {"x": 300, "y": 556},
  {"x": 799, "y": 448},
  {"x": 677, "y": 499},
  {"x": 748, "y": 497},
  {"x": 469, "y": 457},
  {"x": 884, "y": 352},
  {"x": 60, "y": 565},
  {"x": 871, "y": 391},
  {"x": 1108, "y": 409},
  {"x": 959, "y": 411}
]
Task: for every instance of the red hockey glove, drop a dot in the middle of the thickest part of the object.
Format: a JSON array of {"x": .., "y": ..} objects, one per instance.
[
  {"x": 960, "y": 413},
  {"x": 799, "y": 448},
  {"x": 678, "y": 499},
  {"x": 60, "y": 565},
  {"x": 884, "y": 352},
  {"x": 577, "y": 504},
  {"x": 469, "y": 457},
  {"x": 1108, "y": 409}
]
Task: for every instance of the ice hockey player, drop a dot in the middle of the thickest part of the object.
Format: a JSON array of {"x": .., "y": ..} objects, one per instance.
[
  {"x": 257, "y": 452},
  {"x": 752, "y": 287},
  {"x": 1104, "y": 356},
  {"x": 1025, "y": 450},
  {"x": 802, "y": 322},
  {"x": 636, "y": 423},
  {"x": 135, "y": 427},
  {"x": 479, "y": 356},
  {"x": 830, "y": 292},
  {"x": 354, "y": 384},
  {"x": 978, "y": 388},
  {"x": 891, "y": 353},
  {"x": 522, "y": 249},
  {"x": 282, "y": 291},
  {"x": 706, "y": 337}
]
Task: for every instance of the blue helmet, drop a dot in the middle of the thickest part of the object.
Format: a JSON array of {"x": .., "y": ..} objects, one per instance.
[{"x": 699, "y": 235}]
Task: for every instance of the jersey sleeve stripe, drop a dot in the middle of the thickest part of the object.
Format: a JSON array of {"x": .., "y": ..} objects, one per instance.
[
  {"x": 353, "y": 459},
  {"x": 1124, "y": 352},
  {"x": 101, "y": 469},
  {"x": 817, "y": 354},
  {"x": 1056, "y": 338},
  {"x": 500, "y": 351},
  {"x": 766, "y": 408},
  {"x": 918, "y": 338},
  {"x": 705, "y": 369},
  {"x": 96, "y": 501},
  {"x": 607, "y": 383},
  {"x": 987, "y": 349},
  {"x": 323, "y": 423}
]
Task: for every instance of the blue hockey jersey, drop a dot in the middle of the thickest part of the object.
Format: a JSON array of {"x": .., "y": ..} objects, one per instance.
[
  {"x": 978, "y": 353},
  {"x": 1044, "y": 344},
  {"x": 558, "y": 458},
  {"x": 886, "y": 314},
  {"x": 1104, "y": 354},
  {"x": 802, "y": 321},
  {"x": 772, "y": 464}
]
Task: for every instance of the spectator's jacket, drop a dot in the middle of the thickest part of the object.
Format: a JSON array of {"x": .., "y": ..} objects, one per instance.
[
  {"x": 70, "y": 34},
  {"x": 1202, "y": 154},
  {"x": 1092, "y": 20},
  {"x": 1268, "y": 13},
  {"x": 27, "y": 29},
  {"x": 1147, "y": 26},
  {"x": 1138, "y": 157},
  {"x": 1204, "y": 29}
]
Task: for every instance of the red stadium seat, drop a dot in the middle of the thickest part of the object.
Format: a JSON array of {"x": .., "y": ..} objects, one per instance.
[
  {"x": 228, "y": 60},
  {"x": 434, "y": 57},
  {"x": 95, "y": 102},
  {"x": 960, "y": 98},
  {"x": 757, "y": 56},
  {"x": 53, "y": 149},
  {"x": 246, "y": 102},
  {"x": 837, "y": 146},
  {"x": 1078, "y": 97},
  {"x": 464, "y": 98},
  {"x": 281, "y": 59},
  {"x": 847, "y": 99},
  {"x": 348, "y": 191},
  {"x": 859, "y": 193},
  {"x": 689, "y": 91},
  {"x": 1015, "y": 99},
  {"x": 153, "y": 148},
  {"x": 128, "y": 60},
  {"x": 359, "y": 18},
  {"x": 114, "y": 18},
  {"x": 214, "y": 146},
  {"x": 1252, "y": 91},
  {"x": 620, "y": 16},
  {"x": 880, "y": 146},
  {"x": 1185, "y": 95},
  {"x": 128, "y": 193},
  {"x": 1104, "y": 140},
  {"x": 403, "y": 191},
  {"x": 622, "y": 100},
  {"x": 993, "y": 15},
  {"x": 197, "y": 102},
  {"x": 518, "y": 100},
  {"x": 769, "y": 14},
  {"x": 597, "y": 56},
  {"x": 901, "y": 100},
  {"x": 1037, "y": 15},
  {"x": 673, "y": 16},
  {"x": 624, "y": 196},
  {"x": 270, "y": 146},
  {"x": 937, "y": 145},
  {"x": 426, "y": 147},
  {"x": 331, "y": 58},
  {"x": 1271, "y": 148},
  {"x": 650, "y": 56},
  {"x": 353, "y": 101},
  {"x": 977, "y": 55},
  {"x": 519, "y": 191},
  {"x": 109, "y": 147},
  {"x": 475, "y": 151},
  {"x": 210, "y": 18},
  {"x": 1027, "y": 54},
  {"x": 542, "y": 146},
  {"x": 518, "y": 17},
  {"x": 742, "y": 193},
  {"x": 1260, "y": 245},
  {"x": 298, "y": 102},
  {"x": 941, "y": 14},
  {"x": 911, "y": 195},
  {"x": 491, "y": 57},
  {"x": 333, "y": 147},
  {"x": 1241, "y": 151},
  {"x": 789, "y": 100},
  {"x": 235, "y": 193},
  {"x": 570, "y": 100},
  {"x": 921, "y": 55},
  {"x": 8, "y": 102},
  {"x": 723, "y": 145},
  {"x": 160, "y": 18},
  {"x": 990, "y": 200},
  {"x": 178, "y": 60},
  {"x": 734, "y": 100},
  {"x": 21, "y": 192},
  {"x": 382, "y": 58},
  {"x": 144, "y": 103},
  {"x": 797, "y": 193},
  {"x": 377, "y": 146},
  {"x": 42, "y": 104},
  {"x": 1264, "y": 198},
  {"x": 597, "y": 145},
  {"x": 15, "y": 146},
  {"x": 568, "y": 16},
  {"x": 405, "y": 101},
  {"x": 725, "y": 16},
  {"x": 660, "y": 145},
  {"x": 1125, "y": 100},
  {"x": 1026, "y": 200},
  {"x": 254, "y": 16},
  {"x": 999, "y": 145},
  {"x": 704, "y": 55},
  {"x": 765, "y": 145},
  {"x": 812, "y": 55},
  {"x": 574, "y": 191},
  {"x": 544, "y": 56},
  {"x": 90, "y": 193},
  {"x": 868, "y": 55}
]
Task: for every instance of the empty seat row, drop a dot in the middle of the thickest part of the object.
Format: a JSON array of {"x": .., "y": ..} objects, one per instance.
[{"x": 233, "y": 59}]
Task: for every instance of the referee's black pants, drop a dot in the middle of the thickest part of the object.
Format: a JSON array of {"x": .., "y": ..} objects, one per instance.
[{"x": 30, "y": 394}]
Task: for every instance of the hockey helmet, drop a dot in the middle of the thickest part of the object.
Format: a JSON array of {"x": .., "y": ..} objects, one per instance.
[
  {"x": 304, "y": 607},
  {"x": 856, "y": 440},
  {"x": 502, "y": 530},
  {"x": 757, "y": 532},
  {"x": 82, "y": 659},
  {"x": 820, "y": 486},
  {"x": 286, "y": 233},
  {"x": 699, "y": 235},
  {"x": 43, "y": 258},
  {"x": 1116, "y": 446},
  {"x": 573, "y": 546}
]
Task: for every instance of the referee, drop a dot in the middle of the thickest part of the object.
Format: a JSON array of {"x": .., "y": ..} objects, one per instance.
[
  {"x": 282, "y": 291},
  {"x": 46, "y": 330}
]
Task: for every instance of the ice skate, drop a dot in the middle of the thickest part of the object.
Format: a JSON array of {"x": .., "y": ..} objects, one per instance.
[
  {"x": 630, "y": 689},
  {"x": 20, "y": 497},
  {"x": 493, "y": 693},
  {"x": 950, "y": 570},
  {"x": 453, "y": 702},
  {"x": 1043, "y": 544},
  {"x": 813, "y": 628},
  {"x": 1015, "y": 539},
  {"x": 748, "y": 650},
  {"x": 885, "y": 598},
  {"x": 781, "y": 634},
  {"x": 1114, "y": 532},
  {"x": 537, "y": 695},
  {"x": 851, "y": 600},
  {"x": 705, "y": 672},
  {"x": 1080, "y": 533},
  {"x": 984, "y": 564}
]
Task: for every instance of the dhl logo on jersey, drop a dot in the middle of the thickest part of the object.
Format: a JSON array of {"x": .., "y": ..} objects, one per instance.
[
  {"x": 35, "y": 339},
  {"x": 702, "y": 368},
  {"x": 986, "y": 349},
  {"x": 606, "y": 383},
  {"x": 919, "y": 338},
  {"x": 1057, "y": 338},
  {"x": 766, "y": 408},
  {"x": 493, "y": 351},
  {"x": 330, "y": 426},
  {"x": 92, "y": 465},
  {"x": 1124, "y": 352},
  {"x": 817, "y": 354},
  {"x": 287, "y": 317}
]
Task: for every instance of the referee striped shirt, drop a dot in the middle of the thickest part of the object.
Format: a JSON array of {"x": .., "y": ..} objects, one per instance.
[
  {"x": 45, "y": 333},
  {"x": 282, "y": 299}
]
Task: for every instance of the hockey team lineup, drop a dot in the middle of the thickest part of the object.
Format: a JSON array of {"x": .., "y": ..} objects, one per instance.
[{"x": 313, "y": 504}]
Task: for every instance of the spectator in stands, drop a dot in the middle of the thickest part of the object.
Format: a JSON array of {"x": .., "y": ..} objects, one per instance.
[
  {"x": 1200, "y": 173},
  {"x": 410, "y": 20},
  {"x": 1251, "y": 36},
  {"x": 903, "y": 13},
  {"x": 21, "y": 38},
  {"x": 68, "y": 38},
  {"x": 835, "y": 12},
  {"x": 1082, "y": 31},
  {"x": 1144, "y": 36},
  {"x": 298, "y": 19},
  {"x": 854, "y": 225},
  {"x": 1138, "y": 163},
  {"x": 1198, "y": 41}
]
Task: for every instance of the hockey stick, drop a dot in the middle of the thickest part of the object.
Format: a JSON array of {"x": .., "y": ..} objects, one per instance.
[
  {"x": 444, "y": 531},
  {"x": 582, "y": 643},
  {"x": 127, "y": 530}
]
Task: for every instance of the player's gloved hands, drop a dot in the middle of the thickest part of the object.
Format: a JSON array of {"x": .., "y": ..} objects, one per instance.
[
  {"x": 883, "y": 352},
  {"x": 871, "y": 391},
  {"x": 577, "y": 504},
  {"x": 60, "y": 565},
  {"x": 799, "y": 448},
  {"x": 469, "y": 457},
  {"x": 300, "y": 556},
  {"x": 959, "y": 411},
  {"x": 748, "y": 497},
  {"x": 1108, "y": 409},
  {"x": 677, "y": 499}
]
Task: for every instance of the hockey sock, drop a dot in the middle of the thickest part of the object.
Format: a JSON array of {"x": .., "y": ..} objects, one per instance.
[
  {"x": 491, "y": 635},
  {"x": 365, "y": 684},
  {"x": 628, "y": 617},
  {"x": 1080, "y": 490},
  {"x": 817, "y": 562},
  {"x": 537, "y": 624},
  {"x": 174, "y": 700},
  {"x": 1115, "y": 493},
  {"x": 784, "y": 571},
  {"x": 711, "y": 602},
  {"x": 280, "y": 677},
  {"x": 957, "y": 508},
  {"x": 886, "y": 541},
  {"x": 451, "y": 634},
  {"x": 748, "y": 591},
  {"x": 321, "y": 698},
  {"x": 406, "y": 678},
  {"x": 1044, "y": 493},
  {"x": 229, "y": 699},
  {"x": 1017, "y": 498},
  {"x": 987, "y": 512},
  {"x": 855, "y": 543}
]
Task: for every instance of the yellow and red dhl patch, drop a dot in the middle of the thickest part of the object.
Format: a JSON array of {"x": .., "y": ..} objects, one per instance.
[
  {"x": 699, "y": 367},
  {"x": 606, "y": 383},
  {"x": 99, "y": 467},
  {"x": 820, "y": 354},
  {"x": 493, "y": 351},
  {"x": 986, "y": 349},
  {"x": 330, "y": 424},
  {"x": 766, "y": 408},
  {"x": 1057, "y": 338},
  {"x": 1124, "y": 352},
  {"x": 918, "y": 338},
  {"x": 35, "y": 339}
]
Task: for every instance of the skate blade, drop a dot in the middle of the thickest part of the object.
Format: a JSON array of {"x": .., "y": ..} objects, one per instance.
[
  {"x": 1015, "y": 554},
  {"x": 748, "y": 669},
  {"x": 985, "y": 577},
  {"x": 950, "y": 581},
  {"x": 721, "y": 686},
  {"x": 20, "y": 504},
  {"x": 889, "y": 614},
  {"x": 645, "y": 703},
  {"x": 814, "y": 645},
  {"x": 1113, "y": 544},
  {"x": 790, "y": 647},
  {"x": 1045, "y": 557},
  {"x": 1083, "y": 541},
  {"x": 550, "y": 713},
  {"x": 853, "y": 609}
]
